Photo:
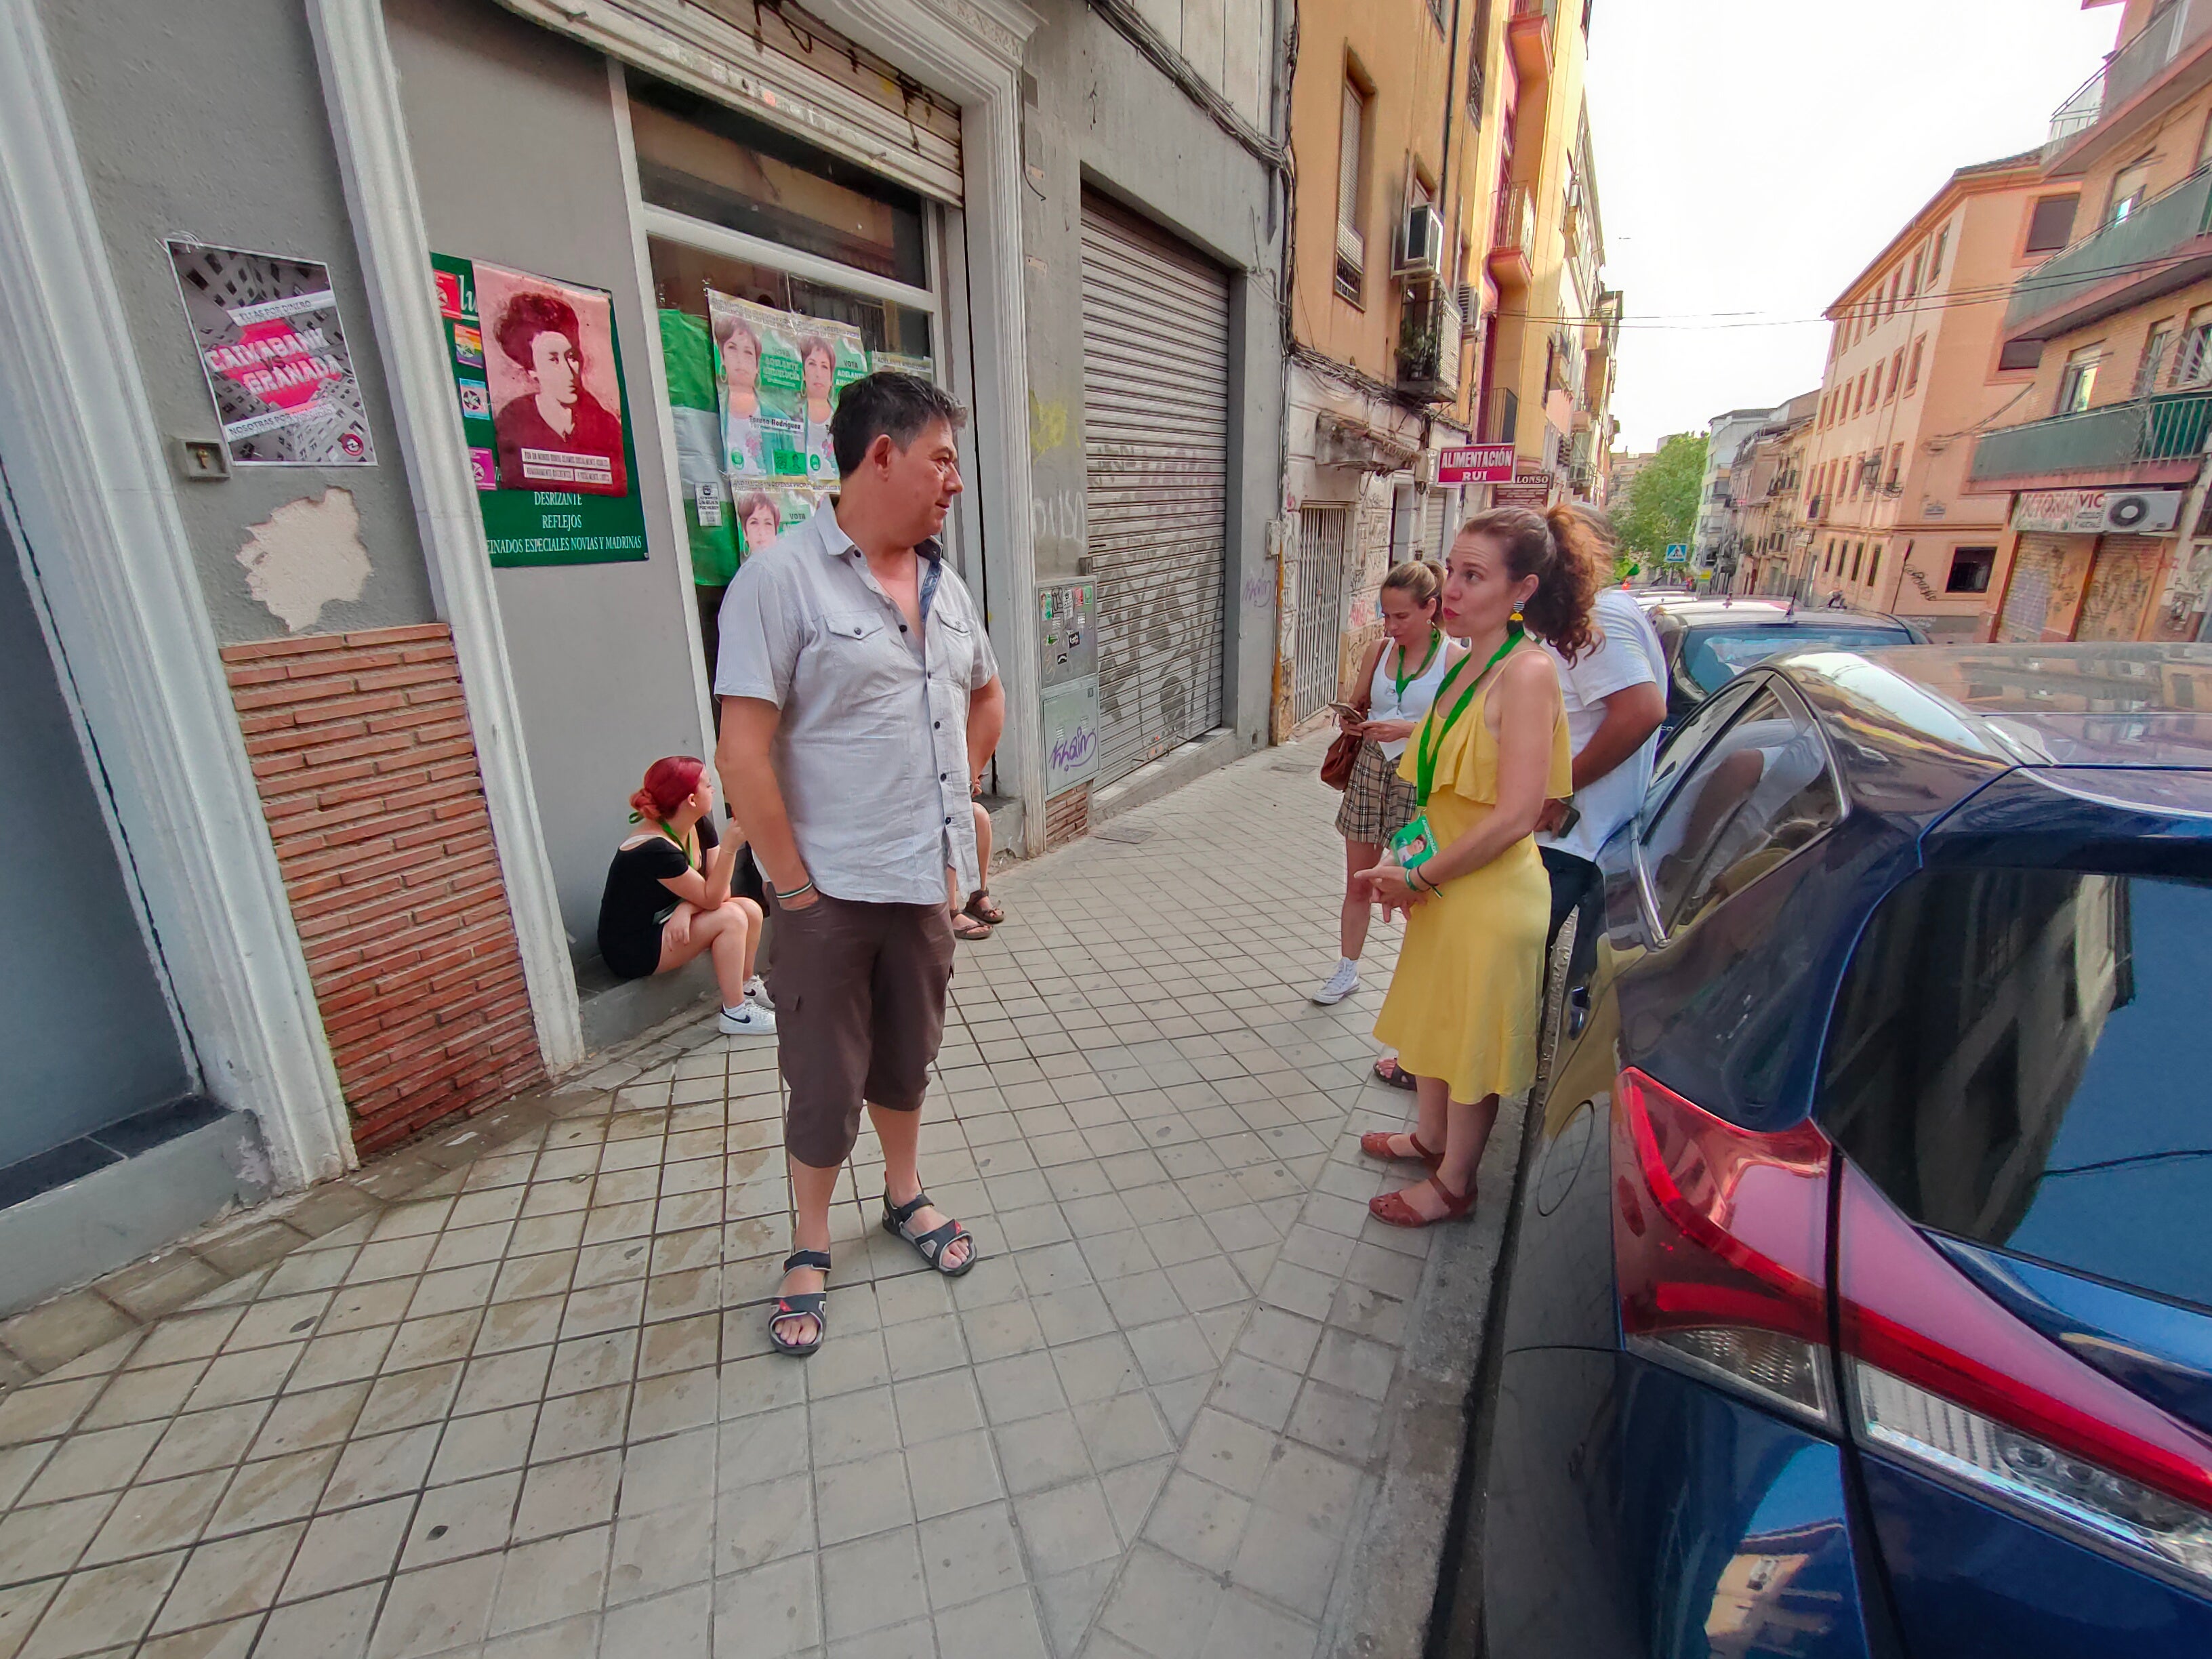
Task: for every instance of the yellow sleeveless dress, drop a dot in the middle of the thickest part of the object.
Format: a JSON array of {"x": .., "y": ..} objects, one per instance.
[{"x": 1463, "y": 1003}]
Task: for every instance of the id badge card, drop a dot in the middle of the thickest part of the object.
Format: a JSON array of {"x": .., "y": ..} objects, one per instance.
[{"x": 1415, "y": 845}]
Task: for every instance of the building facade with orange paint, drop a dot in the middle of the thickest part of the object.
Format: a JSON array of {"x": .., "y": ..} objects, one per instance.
[
  {"x": 1916, "y": 368},
  {"x": 1445, "y": 206},
  {"x": 2101, "y": 470}
]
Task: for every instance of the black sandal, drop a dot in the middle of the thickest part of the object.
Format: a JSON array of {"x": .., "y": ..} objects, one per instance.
[
  {"x": 802, "y": 1304},
  {"x": 932, "y": 1244},
  {"x": 1390, "y": 1072}
]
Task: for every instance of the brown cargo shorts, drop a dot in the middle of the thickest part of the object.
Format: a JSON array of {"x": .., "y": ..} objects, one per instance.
[{"x": 859, "y": 1010}]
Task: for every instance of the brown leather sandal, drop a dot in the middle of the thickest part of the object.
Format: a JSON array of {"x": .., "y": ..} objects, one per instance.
[
  {"x": 1392, "y": 1208},
  {"x": 1376, "y": 1143}
]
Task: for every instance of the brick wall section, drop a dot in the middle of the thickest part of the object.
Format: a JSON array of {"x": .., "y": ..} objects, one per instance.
[
  {"x": 362, "y": 750},
  {"x": 1067, "y": 816}
]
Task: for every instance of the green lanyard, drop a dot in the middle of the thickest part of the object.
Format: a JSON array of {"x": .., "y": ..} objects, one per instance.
[
  {"x": 1424, "y": 757},
  {"x": 1401, "y": 679},
  {"x": 680, "y": 846}
]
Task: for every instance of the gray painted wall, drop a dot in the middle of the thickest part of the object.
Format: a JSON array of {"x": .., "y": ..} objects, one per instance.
[
  {"x": 207, "y": 120},
  {"x": 1104, "y": 116},
  {"x": 513, "y": 130},
  {"x": 85, "y": 1034}
]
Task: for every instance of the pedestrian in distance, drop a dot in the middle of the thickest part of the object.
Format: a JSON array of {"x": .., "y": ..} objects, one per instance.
[
  {"x": 668, "y": 897},
  {"x": 1615, "y": 708},
  {"x": 861, "y": 696},
  {"x": 1396, "y": 684},
  {"x": 1462, "y": 1007}
]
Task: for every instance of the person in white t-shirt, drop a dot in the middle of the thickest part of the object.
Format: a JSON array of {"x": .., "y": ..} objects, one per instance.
[{"x": 1616, "y": 701}]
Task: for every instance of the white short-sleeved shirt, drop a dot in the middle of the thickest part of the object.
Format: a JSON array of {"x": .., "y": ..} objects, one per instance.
[
  {"x": 872, "y": 753},
  {"x": 1630, "y": 654}
]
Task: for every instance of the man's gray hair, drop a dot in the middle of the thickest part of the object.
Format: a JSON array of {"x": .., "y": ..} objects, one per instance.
[{"x": 890, "y": 403}]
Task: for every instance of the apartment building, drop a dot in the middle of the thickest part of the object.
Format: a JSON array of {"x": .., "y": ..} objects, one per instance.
[
  {"x": 1769, "y": 476},
  {"x": 2101, "y": 465},
  {"x": 1917, "y": 367},
  {"x": 1715, "y": 545},
  {"x": 1397, "y": 113}
]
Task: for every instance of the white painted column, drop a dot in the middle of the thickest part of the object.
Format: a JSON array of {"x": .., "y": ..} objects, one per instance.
[
  {"x": 94, "y": 508},
  {"x": 360, "y": 85}
]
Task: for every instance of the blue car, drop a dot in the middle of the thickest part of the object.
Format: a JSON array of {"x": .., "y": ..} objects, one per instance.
[{"x": 1860, "y": 1298}]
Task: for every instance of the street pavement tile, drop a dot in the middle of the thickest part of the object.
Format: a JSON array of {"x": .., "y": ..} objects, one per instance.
[{"x": 515, "y": 1405}]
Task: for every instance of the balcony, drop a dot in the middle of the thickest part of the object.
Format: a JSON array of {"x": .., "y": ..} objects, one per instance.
[
  {"x": 2154, "y": 440},
  {"x": 1513, "y": 240},
  {"x": 1430, "y": 331},
  {"x": 2166, "y": 61},
  {"x": 2164, "y": 244},
  {"x": 1530, "y": 33}
]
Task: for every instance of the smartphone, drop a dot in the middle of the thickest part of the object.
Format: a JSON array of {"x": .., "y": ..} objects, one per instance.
[
  {"x": 1567, "y": 823},
  {"x": 1347, "y": 710}
]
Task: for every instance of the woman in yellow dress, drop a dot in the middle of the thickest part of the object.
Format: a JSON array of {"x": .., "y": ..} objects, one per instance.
[{"x": 1463, "y": 1003}]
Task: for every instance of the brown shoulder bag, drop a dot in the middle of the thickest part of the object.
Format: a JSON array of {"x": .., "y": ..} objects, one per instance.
[{"x": 1336, "y": 765}]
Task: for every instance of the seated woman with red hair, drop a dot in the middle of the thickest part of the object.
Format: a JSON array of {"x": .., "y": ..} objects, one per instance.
[{"x": 668, "y": 897}]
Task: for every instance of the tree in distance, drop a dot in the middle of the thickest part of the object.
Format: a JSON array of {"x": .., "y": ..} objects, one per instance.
[{"x": 1662, "y": 509}]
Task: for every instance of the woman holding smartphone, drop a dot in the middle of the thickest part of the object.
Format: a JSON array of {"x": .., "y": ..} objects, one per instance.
[
  {"x": 1463, "y": 1005},
  {"x": 1400, "y": 674}
]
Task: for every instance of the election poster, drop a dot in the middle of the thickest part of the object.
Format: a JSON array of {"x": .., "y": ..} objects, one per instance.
[
  {"x": 270, "y": 340},
  {"x": 538, "y": 376},
  {"x": 831, "y": 357},
  {"x": 763, "y": 389}
]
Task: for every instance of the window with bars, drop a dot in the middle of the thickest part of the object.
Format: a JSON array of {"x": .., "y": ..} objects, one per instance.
[{"x": 1350, "y": 243}]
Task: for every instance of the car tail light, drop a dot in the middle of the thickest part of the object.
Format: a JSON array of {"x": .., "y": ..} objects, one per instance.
[
  {"x": 1720, "y": 1242},
  {"x": 1943, "y": 1377}
]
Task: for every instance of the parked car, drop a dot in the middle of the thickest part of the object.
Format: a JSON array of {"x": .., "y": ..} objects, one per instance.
[
  {"x": 1709, "y": 641},
  {"x": 1859, "y": 1302}
]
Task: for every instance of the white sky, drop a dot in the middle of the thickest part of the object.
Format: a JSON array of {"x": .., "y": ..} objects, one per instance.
[{"x": 1754, "y": 156}]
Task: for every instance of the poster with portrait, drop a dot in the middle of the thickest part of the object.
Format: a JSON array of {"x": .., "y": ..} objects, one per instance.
[
  {"x": 270, "y": 343},
  {"x": 764, "y": 512},
  {"x": 549, "y": 361},
  {"x": 831, "y": 357},
  {"x": 757, "y": 371},
  {"x": 537, "y": 378}
]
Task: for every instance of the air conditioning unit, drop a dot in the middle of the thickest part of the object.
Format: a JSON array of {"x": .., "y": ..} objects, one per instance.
[
  {"x": 1470, "y": 307},
  {"x": 2143, "y": 512},
  {"x": 1421, "y": 244},
  {"x": 1424, "y": 469}
]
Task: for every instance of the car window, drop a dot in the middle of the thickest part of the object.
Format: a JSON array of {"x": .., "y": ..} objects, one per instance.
[
  {"x": 2015, "y": 1060},
  {"x": 1756, "y": 796},
  {"x": 1683, "y": 747},
  {"x": 1713, "y": 656}
]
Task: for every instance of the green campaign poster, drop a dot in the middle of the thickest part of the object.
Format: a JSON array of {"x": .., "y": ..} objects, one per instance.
[{"x": 538, "y": 375}]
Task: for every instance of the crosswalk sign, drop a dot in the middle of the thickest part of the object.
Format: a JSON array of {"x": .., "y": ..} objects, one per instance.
[{"x": 1677, "y": 553}]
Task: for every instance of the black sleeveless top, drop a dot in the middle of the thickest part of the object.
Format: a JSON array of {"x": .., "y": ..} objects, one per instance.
[{"x": 634, "y": 904}]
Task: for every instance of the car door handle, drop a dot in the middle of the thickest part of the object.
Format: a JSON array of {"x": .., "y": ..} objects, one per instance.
[{"x": 1578, "y": 1010}]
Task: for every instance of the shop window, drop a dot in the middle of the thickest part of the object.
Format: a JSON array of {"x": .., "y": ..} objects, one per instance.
[
  {"x": 1970, "y": 570},
  {"x": 705, "y": 160},
  {"x": 2051, "y": 223}
]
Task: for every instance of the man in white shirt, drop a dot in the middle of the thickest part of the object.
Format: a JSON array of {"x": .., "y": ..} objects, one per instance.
[{"x": 1616, "y": 702}]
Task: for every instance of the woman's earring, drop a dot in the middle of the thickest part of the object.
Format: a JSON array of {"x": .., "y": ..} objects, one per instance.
[{"x": 1516, "y": 613}]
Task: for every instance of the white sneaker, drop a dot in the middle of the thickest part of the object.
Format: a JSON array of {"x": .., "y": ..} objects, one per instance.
[
  {"x": 756, "y": 993},
  {"x": 1339, "y": 985},
  {"x": 751, "y": 1020}
]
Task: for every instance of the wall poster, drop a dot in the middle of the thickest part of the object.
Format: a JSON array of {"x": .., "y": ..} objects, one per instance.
[
  {"x": 537, "y": 372},
  {"x": 274, "y": 351}
]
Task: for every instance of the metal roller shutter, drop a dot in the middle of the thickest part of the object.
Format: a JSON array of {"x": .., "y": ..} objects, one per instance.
[
  {"x": 1155, "y": 450},
  {"x": 2120, "y": 583},
  {"x": 2027, "y": 595}
]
